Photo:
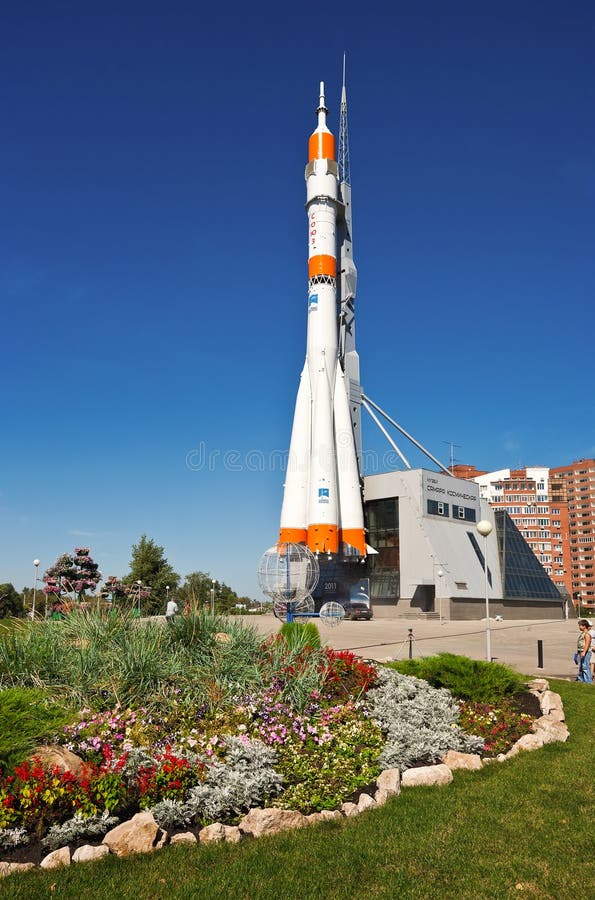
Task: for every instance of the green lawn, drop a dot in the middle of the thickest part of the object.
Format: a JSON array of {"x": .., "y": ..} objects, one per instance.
[{"x": 519, "y": 829}]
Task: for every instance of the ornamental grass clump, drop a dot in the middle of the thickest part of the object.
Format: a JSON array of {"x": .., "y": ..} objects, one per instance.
[
  {"x": 101, "y": 662},
  {"x": 420, "y": 722},
  {"x": 301, "y": 634},
  {"x": 294, "y": 671}
]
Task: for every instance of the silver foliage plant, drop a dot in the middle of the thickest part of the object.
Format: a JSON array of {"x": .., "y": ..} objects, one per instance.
[
  {"x": 78, "y": 827},
  {"x": 13, "y": 837},
  {"x": 243, "y": 780},
  {"x": 171, "y": 814},
  {"x": 420, "y": 721}
]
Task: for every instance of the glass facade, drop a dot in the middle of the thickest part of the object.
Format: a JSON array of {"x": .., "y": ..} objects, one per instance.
[
  {"x": 523, "y": 574},
  {"x": 383, "y": 535}
]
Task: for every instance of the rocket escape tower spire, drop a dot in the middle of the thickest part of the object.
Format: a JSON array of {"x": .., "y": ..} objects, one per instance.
[
  {"x": 344, "y": 166},
  {"x": 348, "y": 356}
]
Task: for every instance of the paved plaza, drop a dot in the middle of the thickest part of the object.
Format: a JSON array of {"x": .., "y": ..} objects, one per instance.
[{"x": 513, "y": 642}]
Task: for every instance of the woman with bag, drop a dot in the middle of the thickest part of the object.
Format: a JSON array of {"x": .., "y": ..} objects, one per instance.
[{"x": 583, "y": 651}]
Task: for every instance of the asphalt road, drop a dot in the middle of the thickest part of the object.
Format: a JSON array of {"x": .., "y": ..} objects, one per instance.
[{"x": 514, "y": 642}]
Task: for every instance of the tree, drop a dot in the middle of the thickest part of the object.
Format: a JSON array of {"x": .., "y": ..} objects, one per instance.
[
  {"x": 11, "y": 602},
  {"x": 149, "y": 566},
  {"x": 114, "y": 589},
  {"x": 72, "y": 574},
  {"x": 197, "y": 588},
  {"x": 87, "y": 574}
]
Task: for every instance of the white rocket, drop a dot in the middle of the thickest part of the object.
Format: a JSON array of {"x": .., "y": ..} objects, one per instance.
[{"x": 322, "y": 503}]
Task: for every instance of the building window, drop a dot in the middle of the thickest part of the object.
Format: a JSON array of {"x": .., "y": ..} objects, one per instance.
[
  {"x": 465, "y": 513},
  {"x": 438, "y": 508}
]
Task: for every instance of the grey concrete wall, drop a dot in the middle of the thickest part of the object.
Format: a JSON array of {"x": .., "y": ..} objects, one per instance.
[{"x": 474, "y": 609}]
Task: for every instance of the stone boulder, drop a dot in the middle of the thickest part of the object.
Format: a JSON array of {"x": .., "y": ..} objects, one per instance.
[
  {"x": 89, "y": 853},
  {"x": 271, "y": 821},
  {"x": 349, "y": 809},
  {"x": 528, "y": 742},
  {"x": 388, "y": 784},
  {"x": 455, "y": 760},
  {"x": 325, "y": 815},
  {"x": 141, "y": 834},
  {"x": 550, "y": 701},
  {"x": 365, "y": 802},
  {"x": 185, "y": 837},
  {"x": 54, "y": 757},
  {"x": 218, "y": 832},
  {"x": 550, "y": 730},
  {"x": 10, "y": 868},
  {"x": 56, "y": 859},
  {"x": 212, "y": 833},
  {"x": 427, "y": 775},
  {"x": 233, "y": 835},
  {"x": 222, "y": 637}
]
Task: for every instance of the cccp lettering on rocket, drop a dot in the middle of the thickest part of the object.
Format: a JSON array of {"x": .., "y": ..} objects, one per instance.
[{"x": 322, "y": 502}]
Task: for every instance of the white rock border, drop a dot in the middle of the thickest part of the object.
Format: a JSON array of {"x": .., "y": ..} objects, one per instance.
[{"x": 141, "y": 834}]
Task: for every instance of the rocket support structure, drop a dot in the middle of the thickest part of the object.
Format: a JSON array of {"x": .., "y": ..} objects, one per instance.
[{"x": 322, "y": 503}]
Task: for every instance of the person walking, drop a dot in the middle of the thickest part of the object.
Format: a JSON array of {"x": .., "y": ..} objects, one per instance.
[
  {"x": 583, "y": 652},
  {"x": 592, "y": 649},
  {"x": 170, "y": 610}
]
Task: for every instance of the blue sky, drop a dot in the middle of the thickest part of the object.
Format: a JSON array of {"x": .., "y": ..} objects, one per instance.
[{"x": 153, "y": 255}]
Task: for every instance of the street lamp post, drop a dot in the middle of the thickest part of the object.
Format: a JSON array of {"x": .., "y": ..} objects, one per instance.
[
  {"x": 36, "y": 565},
  {"x": 139, "y": 583},
  {"x": 440, "y": 573},
  {"x": 484, "y": 527},
  {"x": 166, "y": 597},
  {"x": 213, "y": 597}
]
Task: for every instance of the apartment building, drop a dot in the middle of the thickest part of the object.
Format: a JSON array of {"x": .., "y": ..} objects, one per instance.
[
  {"x": 574, "y": 485},
  {"x": 554, "y": 509}
]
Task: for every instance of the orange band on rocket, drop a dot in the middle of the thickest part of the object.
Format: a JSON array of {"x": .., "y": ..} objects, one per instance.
[
  {"x": 321, "y": 146},
  {"x": 323, "y": 538},
  {"x": 322, "y": 265}
]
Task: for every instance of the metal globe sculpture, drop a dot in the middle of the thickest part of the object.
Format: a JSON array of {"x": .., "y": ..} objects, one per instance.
[
  {"x": 288, "y": 573},
  {"x": 332, "y": 614},
  {"x": 283, "y": 608}
]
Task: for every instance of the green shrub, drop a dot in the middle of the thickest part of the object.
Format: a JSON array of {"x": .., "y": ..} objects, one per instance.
[
  {"x": 27, "y": 716},
  {"x": 301, "y": 634},
  {"x": 466, "y": 679}
]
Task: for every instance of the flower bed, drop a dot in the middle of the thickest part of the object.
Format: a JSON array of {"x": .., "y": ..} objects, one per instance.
[{"x": 303, "y": 729}]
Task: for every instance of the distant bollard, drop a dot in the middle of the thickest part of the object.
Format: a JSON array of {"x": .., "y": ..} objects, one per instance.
[
  {"x": 540, "y": 654},
  {"x": 410, "y": 638}
]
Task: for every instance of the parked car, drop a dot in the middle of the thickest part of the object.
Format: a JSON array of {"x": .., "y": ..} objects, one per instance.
[{"x": 357, "y": 611}]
